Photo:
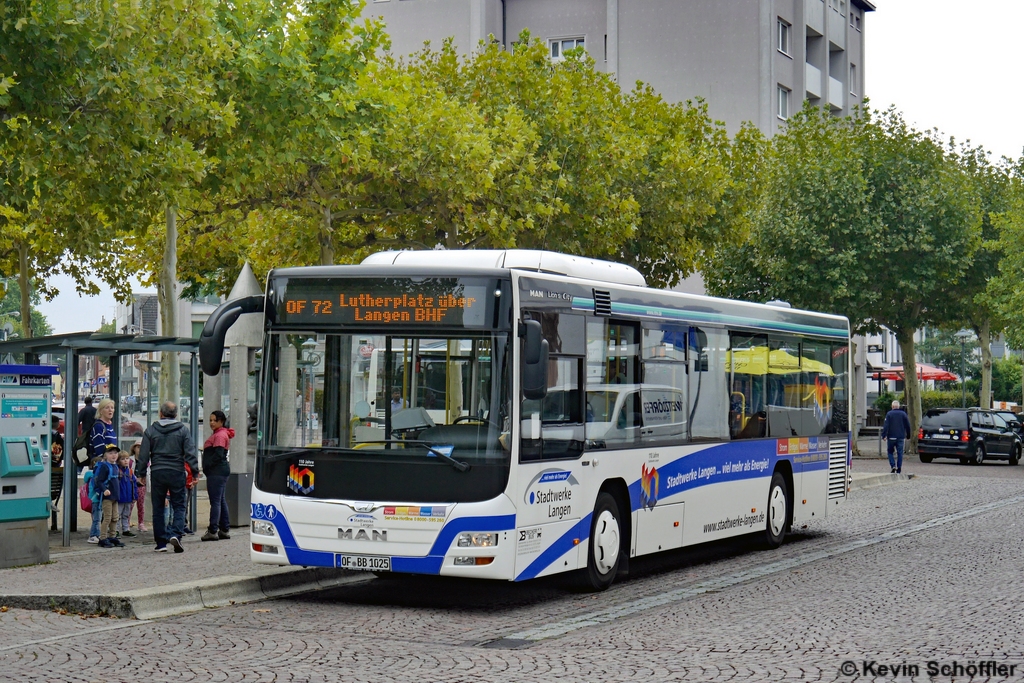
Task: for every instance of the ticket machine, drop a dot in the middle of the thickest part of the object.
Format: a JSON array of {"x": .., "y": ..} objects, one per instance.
[{"x": 25, "y": 394}]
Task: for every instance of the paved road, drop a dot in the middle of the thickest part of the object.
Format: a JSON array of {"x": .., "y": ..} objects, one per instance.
[{"x": 925, "y": 570}]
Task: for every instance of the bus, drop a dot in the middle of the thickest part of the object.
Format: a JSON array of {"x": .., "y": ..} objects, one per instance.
[{"x": 514, "y": 414}]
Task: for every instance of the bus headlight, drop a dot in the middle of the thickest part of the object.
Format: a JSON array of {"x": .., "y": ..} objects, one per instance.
[
  {"x": 475, "y": 540},
  {"x": 262, "y": 528}
]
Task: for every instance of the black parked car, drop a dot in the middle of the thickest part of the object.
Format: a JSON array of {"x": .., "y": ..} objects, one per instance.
[
  {"x": 1012, "y": 419},
  {"x": 971, "y": 435}
]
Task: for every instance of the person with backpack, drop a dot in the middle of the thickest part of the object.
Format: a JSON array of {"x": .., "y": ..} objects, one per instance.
[
  {"x": 167, "y": 447},
  {"x": 97, "y": 507},
  {"x": 217, "y": 468},
  {"x": 106, "y": 482}
]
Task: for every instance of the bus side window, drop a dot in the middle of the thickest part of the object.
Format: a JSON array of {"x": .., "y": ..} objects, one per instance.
[
  {"x": 613, "y": 368},
  {"x": 664, "y": 409},
  {"x": 748, "y": 370},
  {"x": 552, "y": 428},
  {"x": 708, "y": 388}
]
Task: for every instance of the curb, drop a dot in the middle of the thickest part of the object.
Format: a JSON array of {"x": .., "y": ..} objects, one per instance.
[
  {"x": 192, "y": 596},
  {"x": 871, "y": 482}
]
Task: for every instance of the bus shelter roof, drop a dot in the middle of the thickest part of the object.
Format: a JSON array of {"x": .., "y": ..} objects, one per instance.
[{"x": 99, "y": 344}]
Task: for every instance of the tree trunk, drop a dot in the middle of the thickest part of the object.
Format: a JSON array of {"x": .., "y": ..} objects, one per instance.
[
  {"x": 167, "y": 295},
  {"x": 26, "y": 298},
  {"x": 911, "y": 387},
  {"x": 326, "y": 247},
  {"x": 985, "y": 340}
]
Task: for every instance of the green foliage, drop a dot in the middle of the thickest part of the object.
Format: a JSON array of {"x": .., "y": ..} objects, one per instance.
[
  {"x": 884, "y": 401},
  {"x": 500, "y": 149},
  {"x": 1006, "y": 379},
  {"x": 930, "y": 399},
  {"x": 10, "y": 312},
  {"x": 1005, "y": 288},
  {"x": 942, "y": 349},
  {"x": 947, "y": 399},
  {"x": 811, "y": 225}
]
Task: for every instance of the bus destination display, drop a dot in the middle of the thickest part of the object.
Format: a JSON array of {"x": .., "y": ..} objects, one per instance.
[{"x": 382, "y": 302}]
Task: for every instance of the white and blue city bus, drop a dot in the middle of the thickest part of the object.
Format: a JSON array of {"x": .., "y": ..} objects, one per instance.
[{"x": 516, "y": 414}]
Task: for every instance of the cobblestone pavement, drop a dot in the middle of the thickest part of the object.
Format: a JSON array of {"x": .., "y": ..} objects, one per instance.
[{"x": 917, "y": 571}]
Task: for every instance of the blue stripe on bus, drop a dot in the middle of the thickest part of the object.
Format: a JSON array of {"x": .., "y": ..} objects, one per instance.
[
  {"x": 750, "y": 451},
  {"x": 431, "y": 564},
  {"x": 564, "y": 543},
  {"x": 661, "y": 313},
  {"x": 460, "y": 524}
]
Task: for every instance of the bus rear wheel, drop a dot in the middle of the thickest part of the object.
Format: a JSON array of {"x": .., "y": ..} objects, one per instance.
[
  {"x": 778, "y": 511},
  {"x": 605, "y": 547}
]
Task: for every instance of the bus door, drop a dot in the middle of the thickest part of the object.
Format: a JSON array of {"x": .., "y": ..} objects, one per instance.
[{"x": 549, "y": 491}]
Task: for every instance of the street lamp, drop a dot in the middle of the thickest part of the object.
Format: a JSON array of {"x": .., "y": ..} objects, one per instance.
[{"x": 963, "y": 335}]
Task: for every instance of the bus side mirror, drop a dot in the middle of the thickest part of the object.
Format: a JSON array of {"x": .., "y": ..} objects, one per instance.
[
  {"x": 211, "y": 341},
  {"x": 535, "y": 362}
]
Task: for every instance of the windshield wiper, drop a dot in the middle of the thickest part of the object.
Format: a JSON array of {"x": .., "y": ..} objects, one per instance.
[{"x": 457, "y": 464}]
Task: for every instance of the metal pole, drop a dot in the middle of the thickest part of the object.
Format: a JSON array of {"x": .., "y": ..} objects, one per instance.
[
  {"x": 70, "y": 432},
  {"x": 114, "y": 390},
  {"x": 193, "y": 419},
  {"x": 963, "y": 373}
]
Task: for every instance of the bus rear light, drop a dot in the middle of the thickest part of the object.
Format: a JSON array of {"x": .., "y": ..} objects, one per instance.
[{"x": 472, "y": 561}]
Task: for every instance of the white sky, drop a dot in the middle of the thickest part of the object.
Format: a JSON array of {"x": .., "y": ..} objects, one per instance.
[
  {"x": 950, "y": 65},
  {"x": 947, "y": 65}
]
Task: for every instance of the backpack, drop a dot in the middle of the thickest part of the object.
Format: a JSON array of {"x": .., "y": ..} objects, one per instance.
[{"x": 82, "y": 442}]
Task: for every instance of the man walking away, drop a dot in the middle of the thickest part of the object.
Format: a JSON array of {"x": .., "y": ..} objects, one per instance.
[
  {"x": 166, "y": 447},
  {"x": 895, "y": 430}
]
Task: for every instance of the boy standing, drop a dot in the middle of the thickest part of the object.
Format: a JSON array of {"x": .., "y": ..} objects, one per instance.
[{"x": 107, "y": 483}]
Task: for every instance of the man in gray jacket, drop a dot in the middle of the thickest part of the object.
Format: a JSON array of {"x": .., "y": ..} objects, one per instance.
[{"x": 166, "y": 448}]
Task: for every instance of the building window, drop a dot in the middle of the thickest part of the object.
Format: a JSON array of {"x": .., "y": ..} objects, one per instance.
[
  {"x": 856, "y": 21},
  {"x": 560, "y": 46},
  {"x": 784, "y": 37},
  {"x": 783, "y": 103},
  {"x": 853, "y": 79}
]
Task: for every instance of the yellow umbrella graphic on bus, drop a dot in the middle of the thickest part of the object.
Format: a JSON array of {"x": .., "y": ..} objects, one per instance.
[{"x": 759, "y": 361}]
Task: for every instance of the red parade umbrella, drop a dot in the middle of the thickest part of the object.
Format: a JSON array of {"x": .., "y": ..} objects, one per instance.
[{"x": 925, "y": 372}]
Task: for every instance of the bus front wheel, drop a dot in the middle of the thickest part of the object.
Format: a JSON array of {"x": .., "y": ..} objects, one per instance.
[
  {"x": 604, "y": 549},
  {"x": 778, "y": 511}
]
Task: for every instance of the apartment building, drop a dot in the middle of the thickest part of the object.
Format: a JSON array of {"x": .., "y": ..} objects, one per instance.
[{"x": 750, "y": 60}]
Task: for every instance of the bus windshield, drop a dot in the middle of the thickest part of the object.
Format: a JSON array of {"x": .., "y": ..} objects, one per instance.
[{"x": 386, "y": 417}]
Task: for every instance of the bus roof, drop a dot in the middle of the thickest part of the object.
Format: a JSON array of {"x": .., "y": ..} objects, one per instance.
[{"x": 516, "y": 259}]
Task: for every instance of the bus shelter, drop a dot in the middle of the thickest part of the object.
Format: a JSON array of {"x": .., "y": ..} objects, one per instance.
[{"x": 72, "y": 347}]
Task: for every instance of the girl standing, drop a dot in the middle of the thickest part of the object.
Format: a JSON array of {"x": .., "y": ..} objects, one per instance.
[
  {"x": 216, "y": 468},
  {"x": 140, "y": 501}
]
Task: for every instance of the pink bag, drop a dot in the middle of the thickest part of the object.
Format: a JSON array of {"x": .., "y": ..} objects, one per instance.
[{"x": 83, "y": 497}]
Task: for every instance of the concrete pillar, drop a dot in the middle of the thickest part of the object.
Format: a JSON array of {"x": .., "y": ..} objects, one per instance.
[
  {"x": 242, "y": 462},
  {"x": 212, "y": 392}
]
